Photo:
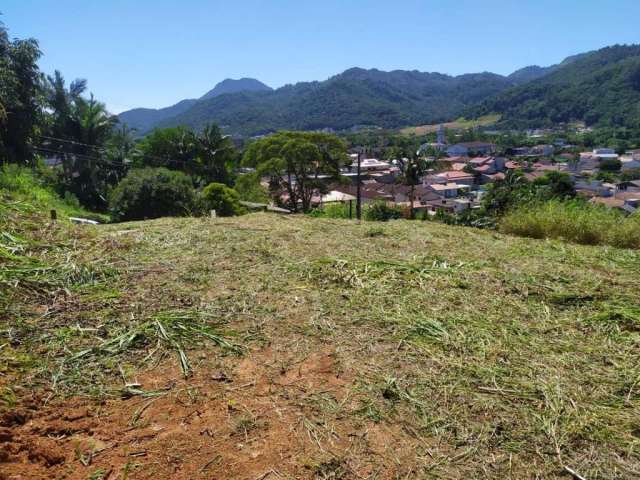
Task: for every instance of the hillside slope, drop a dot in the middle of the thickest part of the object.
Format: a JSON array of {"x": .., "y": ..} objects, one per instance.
[
  {"x": 144, "y": 119},
  {"x": 598, "y": 88},
  {"x": 290, "y": 347}
]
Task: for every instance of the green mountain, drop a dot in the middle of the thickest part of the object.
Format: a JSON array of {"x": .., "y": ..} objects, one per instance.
[
  {"x": 234, "y": 86},
  {"x": 144, "y": 119},
  {"x": 599, "y": 88},
  {"x": 354, "y": 97}
]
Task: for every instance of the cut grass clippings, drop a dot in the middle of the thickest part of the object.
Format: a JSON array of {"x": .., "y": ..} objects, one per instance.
[{"x": 454, "y": 352}]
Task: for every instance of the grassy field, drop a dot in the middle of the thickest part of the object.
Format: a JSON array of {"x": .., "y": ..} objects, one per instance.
[
  {"x": 266, "y": 347},
  {"x": 460, "y": 124}
]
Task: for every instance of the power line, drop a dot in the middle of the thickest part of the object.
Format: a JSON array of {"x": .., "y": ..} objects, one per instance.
[
  {"x": 163, "y": 161},
  {"x": 72, "y": 142},
  {"x": 167, "y": 161},
  {"x": 80, "y": 155}
]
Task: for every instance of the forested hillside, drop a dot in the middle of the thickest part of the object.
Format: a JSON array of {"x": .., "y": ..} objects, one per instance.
[
  {"x": 355, "y": 97},
  {"x": 144, "y": 119},
  {"x": 599, "y": 88}
]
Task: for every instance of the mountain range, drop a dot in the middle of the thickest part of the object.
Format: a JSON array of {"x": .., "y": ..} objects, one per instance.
[
  {"x": 599, "y": 87},
  {"x": 144, "y": 119}
]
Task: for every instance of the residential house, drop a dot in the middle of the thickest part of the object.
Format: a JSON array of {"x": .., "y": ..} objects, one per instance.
[
  {"x": 447, "y": 190},
  {"x": 628, "y": 202},
  {"x": 450, "y": 206},
  {"x": 492, "y": 177},
  {"x": 629, "y": 185},
  {"x": 630, "y": 162},
  {"x": 596, "y": 188},
  {"x": 542, "y": 150},
  {"x": 368, "y": 164},
  {"x": 471, "y": 148},
  {"x": 457, "y": 176},
  {"x": 519, "y": 151},
  {"x": 605, "y": 154}
]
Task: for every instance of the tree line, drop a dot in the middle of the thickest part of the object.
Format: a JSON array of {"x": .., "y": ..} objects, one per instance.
[{"x": 97, "y": 160}]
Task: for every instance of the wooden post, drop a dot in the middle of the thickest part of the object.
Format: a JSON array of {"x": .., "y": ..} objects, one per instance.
[
  {"x": 350, "y": 208},
  {"x": 54, "y": 216}
]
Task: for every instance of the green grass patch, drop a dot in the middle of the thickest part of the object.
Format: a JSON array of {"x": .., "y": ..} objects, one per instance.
[{"x": 574, "y": 221}]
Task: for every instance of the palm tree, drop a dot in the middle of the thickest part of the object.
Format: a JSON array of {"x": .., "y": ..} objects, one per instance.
[
  {"x": 92, "y": 128},
  {"x": 415, "y": 167},
  {"x": 79, "y": 129},
  {"x": 214, "y": 153},
  {"x": 61, "y": 126},
  {"x": 121, "y": 149}
]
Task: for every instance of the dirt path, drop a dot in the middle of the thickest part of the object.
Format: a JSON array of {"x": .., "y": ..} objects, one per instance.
[{"x": 252, "y": 420}]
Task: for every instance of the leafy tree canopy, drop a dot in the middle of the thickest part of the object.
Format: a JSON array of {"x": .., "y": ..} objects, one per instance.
[
  {"x": 152, "y": 193},
  {"x": 224, "y": 200},
  {"x": 297, "y": 163}
]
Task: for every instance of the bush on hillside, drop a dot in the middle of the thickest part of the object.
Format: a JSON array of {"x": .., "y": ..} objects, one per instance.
[
  {"x": 152, "y": 193},
  {"x": 224, "y": 200},
  {"x": 575, "y": 221},
  {"x": 381, "y": 212},
  {"x": 334, "y": 210}
]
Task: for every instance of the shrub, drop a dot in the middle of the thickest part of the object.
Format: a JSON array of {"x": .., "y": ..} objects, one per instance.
[
  {"x": 152, "y": 193},
  {"x": 574, "y": 221},
  {"x": 224, "y": 200},
  {"x": 334, "y": 210},
  {"x": 249, "y": 188},
  {"x": 381, "y": 212}
]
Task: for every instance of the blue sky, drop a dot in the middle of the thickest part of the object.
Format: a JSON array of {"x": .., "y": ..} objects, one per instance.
[{"x": 153, "y": 53}]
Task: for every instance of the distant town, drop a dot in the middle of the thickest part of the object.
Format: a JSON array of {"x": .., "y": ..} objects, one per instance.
[{"x": 460, "y": 174}]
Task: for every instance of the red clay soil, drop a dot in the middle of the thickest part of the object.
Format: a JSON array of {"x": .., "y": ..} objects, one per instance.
[{"x": 250, "y": 419}]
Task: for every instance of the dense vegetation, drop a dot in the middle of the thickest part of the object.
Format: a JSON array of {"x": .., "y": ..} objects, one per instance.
[
  {"x": 152, "y": 193},
  {"x": 300, "y": 163},
  {"x": 599, "y": 88},
  {"x": 354, "y": 97},
  {"x": 42, "y": 117}
]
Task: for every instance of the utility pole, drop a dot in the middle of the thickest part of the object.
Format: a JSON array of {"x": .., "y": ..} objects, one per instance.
[{"x": 358, "y": 198}]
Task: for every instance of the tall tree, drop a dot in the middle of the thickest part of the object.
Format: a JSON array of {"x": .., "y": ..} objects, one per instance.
[
  {"x": 215, "y": 154},
  {"x": 20, "y": 113},
  {"x": 167, "y": 147},
  {"x": 121, "y": 149},
  {"x": 414, "y": 168},
  {"x": 79, "y": 130},
  {"x": 207, "y": 156},
  {"x": 61, "y": 128},
  {"x": 297, "y": 164}
]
